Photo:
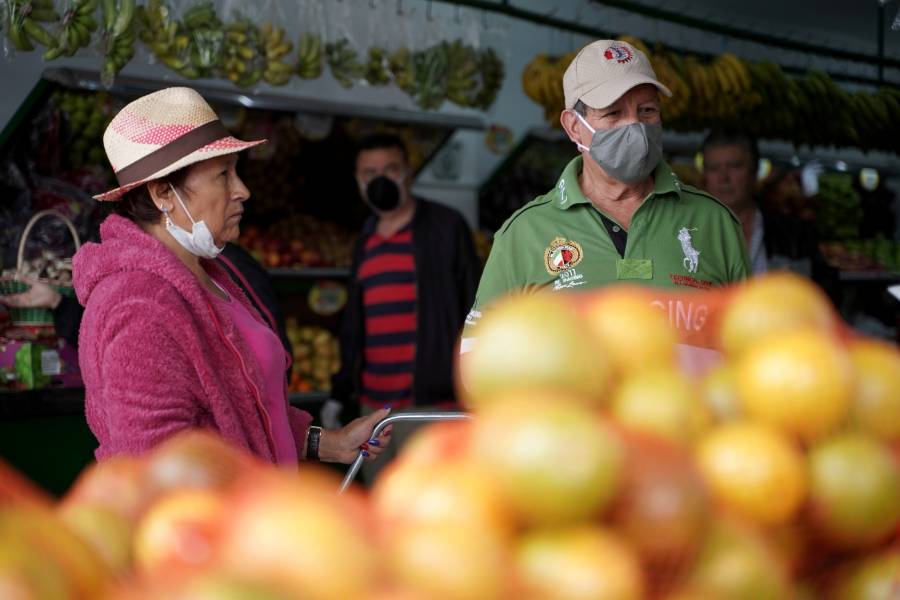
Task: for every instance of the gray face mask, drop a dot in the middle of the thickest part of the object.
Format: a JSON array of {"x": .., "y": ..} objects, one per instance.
[{"x": 628, "y": 153}]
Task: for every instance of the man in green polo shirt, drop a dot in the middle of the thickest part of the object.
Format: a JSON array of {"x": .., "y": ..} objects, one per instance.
[{"x": 618, "y": 213}]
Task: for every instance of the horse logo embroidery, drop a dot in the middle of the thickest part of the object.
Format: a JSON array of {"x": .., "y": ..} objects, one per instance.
[{"x": 691, "y": 254}]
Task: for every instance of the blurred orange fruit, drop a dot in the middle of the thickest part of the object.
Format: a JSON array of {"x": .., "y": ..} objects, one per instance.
[
  {"x": 631, "y": 332},
  {"x": 876, "y": 403},
  {"x": 854, "y": 489},
  {"x": 448, "y": 562},
  {"x": 584, "y": 562},
  {"x": 801, "y": 382},
  {"x": 772, "y": 304},
  {"x": 553, "y": 460},
  {"x": 527, "y": 342},
  {"x": 661, "y": 401},
  {"x": 754, "y": 471}
]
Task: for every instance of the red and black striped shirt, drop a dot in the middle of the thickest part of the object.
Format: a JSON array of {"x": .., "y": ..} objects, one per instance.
[{"x": 387, "y": 276}]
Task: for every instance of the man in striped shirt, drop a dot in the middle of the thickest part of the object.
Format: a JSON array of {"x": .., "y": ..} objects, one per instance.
[{"x": 413, "y": 280}]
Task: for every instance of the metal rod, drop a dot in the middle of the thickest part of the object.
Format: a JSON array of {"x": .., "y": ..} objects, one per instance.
[
  {"x": 744, "y": 34},
  {"x": 557, "y": 23},
  {"x": 881, "y": 60},
  {"x": 424, "y": 416}
]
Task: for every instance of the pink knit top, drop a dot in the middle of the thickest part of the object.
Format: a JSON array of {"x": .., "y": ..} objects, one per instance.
[{"x": 271, "y": 358}]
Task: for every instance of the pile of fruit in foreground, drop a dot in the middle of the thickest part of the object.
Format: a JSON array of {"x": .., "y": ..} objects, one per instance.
[{"x": 596, "y": 467}]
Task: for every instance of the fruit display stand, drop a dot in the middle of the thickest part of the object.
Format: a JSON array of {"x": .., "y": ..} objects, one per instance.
[
  {"x": 632, "y": 479},
  {"x": 300, "y": 224}
]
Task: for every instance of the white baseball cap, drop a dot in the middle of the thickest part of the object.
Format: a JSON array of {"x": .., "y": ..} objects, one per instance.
[{"x": 604, "y": 70}]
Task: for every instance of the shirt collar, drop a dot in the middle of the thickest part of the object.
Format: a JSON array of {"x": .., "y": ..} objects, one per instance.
[{"x": 568, "y": 192}]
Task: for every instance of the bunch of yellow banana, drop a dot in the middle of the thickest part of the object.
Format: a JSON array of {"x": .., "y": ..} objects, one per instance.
[
  {"x": 75, "y": 29},
  {"x": 637, "y": 43},
  {"x": 23, "y": 23},
  {"x": 542, "y": 82},
  {"x": 309, "y": 56},
  {"x": 735, "y": 84},
  {"x": 276, "y": 70},
  {"x": 464, "y": 74},
  {"x": 377, "y": 68},
  {"x": 242, "y": 61},
  {"x": 118, "y": 37},
  {"x": 668, "y": 69}
]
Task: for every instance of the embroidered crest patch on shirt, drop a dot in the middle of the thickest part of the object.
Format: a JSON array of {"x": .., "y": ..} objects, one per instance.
[{"x": 562, "y": 255}]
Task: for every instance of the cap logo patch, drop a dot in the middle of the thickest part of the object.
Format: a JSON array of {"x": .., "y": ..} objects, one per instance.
[{"x": 620, "y": 54}]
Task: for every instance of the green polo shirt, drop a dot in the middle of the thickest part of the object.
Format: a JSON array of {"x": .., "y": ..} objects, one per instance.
[{"x": 679, "y": 237}]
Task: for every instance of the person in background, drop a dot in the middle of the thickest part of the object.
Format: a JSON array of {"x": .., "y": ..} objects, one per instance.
[
  {"x": 66, "y": 310},
  {"x": 168, "y": 342},
  {"x": 774, "y": 241},
  {"x": 412, "y": 280},
  {"x": 618, "y": 213}
]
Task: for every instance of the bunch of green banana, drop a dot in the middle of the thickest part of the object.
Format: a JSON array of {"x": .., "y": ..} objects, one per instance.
[
  {"x": 463, "y": 79},
  {"x": 75, "y": 31},
  {"x": 432, "y": 70},
  {"x": 87, "y": 115},
  {"x": 403, "y": 70},
  {"x": 343, "y": 59},
  {"x": 276, "y": 70},
  {"x": 377, "y": 68},
  {"x": 23, "y": 23},
  {"x": 309, "y": 56},
  {"x": 204, "y": 30},
  {"x": 118, "y": 37},
  {"x": 492, "y": 72},
  {"x": 161, "y": 34},
  {"x": 242, "y": 61}
]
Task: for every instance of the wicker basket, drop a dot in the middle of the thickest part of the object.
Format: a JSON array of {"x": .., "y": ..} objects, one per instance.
[{"x": 10, "y": 281}]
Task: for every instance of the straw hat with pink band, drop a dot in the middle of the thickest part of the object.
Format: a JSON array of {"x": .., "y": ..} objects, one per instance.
[{"x": 162, "y": 132}]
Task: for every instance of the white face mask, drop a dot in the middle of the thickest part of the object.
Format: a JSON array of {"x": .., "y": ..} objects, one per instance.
[{"x": 199, "y": 241}]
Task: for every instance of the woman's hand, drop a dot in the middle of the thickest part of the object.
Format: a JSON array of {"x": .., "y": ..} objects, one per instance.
[
  {"x": 342, "y": 445},
  {"x": 39, "y": 295}
]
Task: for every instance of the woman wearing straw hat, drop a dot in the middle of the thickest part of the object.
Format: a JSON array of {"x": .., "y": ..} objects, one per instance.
[{"x": 168, "y": 342}]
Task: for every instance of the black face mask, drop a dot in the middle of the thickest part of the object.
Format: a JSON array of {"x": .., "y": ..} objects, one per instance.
[{"x": 383, "y": 194}]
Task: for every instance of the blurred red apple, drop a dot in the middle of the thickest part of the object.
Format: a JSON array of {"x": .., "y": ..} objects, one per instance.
[
  {"x": 103, "y": 528},
  {"x": 16, "y": 488},
  {"x": 439, "y": 442},
  {"x": 179, "y": 531},
  {"x": 458, "y": 493},
  {"x": 86, "y": 574},
  {"x": 195, "y": 459},
  {"x": 298, "y": 532},
  {"x": 26, "y": 573},
  {"x": 449, "y": 562},
  {"x": 116, "y": 483},
  {"x": 664, "y": 507}
]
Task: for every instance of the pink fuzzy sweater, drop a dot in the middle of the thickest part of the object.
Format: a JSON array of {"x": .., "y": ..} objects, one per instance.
[{"x": 158, "y": 355}]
